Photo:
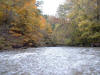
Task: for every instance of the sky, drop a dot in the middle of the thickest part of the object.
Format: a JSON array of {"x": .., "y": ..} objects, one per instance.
[{"x": 49, "y": 7}]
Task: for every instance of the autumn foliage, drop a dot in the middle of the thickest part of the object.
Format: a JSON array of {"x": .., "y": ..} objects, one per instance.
[{"x": 21, "y": 23}]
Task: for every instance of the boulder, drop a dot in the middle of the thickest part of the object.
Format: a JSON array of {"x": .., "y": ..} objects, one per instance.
[
  {"x": 95, "y": 44},
  {"x": 17, "y": 46}
]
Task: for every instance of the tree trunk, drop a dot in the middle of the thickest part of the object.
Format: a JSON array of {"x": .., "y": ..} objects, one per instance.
[{"x": 98, "y": 9}]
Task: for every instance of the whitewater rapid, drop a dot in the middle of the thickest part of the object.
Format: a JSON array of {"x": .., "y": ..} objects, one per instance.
[{"x": 51, "y": 61}]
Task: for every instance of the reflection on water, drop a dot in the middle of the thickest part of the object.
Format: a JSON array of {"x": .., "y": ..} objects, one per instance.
[{"x": 51, "y": 61}]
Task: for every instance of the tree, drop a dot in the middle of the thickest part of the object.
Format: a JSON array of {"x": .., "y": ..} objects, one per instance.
[
  {"x": 81, "y": 19},
  {"x": 22, "y": 21}
]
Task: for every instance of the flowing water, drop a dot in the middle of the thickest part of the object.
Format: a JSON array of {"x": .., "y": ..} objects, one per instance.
[{"x": 51, "y": 61}]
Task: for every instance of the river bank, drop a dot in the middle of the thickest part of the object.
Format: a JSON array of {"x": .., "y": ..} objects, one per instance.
[{"x": 18, "y": 47}]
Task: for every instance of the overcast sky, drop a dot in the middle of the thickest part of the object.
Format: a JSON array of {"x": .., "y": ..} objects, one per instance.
[{"x": 49, "y": 7}]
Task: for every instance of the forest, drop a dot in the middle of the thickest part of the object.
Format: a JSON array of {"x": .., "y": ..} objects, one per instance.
[
  {"x": 23, "y": 25},
  {"x": 77, "y": 23}
]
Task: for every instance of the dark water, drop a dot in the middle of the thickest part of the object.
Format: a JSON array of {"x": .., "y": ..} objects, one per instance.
[{"x": 51, "y": 61}]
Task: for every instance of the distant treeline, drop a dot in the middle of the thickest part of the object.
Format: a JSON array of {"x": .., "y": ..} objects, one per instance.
[{"x": 77, "y": 23}]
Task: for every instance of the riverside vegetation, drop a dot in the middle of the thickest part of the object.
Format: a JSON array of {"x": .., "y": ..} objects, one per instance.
[
  {"x": 23, "y": 25},
  {"x": 77, "y": 23}
]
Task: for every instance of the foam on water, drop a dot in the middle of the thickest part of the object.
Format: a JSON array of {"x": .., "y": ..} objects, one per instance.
[{"x": 51, "y": 61}]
